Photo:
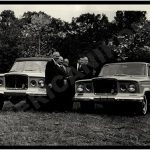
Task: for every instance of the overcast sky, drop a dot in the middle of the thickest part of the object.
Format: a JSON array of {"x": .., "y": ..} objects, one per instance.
[{"x": 66, "y": 12}]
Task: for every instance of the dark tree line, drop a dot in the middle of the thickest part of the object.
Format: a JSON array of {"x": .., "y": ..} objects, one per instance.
[{"x": 38, "y": 34}]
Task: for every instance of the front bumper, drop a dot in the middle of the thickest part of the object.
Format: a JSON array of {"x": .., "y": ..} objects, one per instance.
[
  {"x": 29, "y": 92},
  {"x": 109, "y": 98}
]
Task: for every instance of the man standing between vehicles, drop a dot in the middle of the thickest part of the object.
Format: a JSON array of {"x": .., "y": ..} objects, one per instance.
[
  {"x": 71, "y": 85},
  {"x": 55, "y": 81},
  {"x": 84, "y": 68},
  {"x": 68, "y": 68}
]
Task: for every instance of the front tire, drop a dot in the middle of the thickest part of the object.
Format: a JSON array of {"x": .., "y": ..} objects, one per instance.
[
  {"x": 143, "y": 106},
  {"x": 1, "y": 102}
]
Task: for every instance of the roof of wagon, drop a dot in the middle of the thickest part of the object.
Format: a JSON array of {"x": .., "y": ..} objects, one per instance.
[{"x": 34, "y": 59}]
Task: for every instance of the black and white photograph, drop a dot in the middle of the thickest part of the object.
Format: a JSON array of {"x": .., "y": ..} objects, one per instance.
[{"x": 75, "y": 75}]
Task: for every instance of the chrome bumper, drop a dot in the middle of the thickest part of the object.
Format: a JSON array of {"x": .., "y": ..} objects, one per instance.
[
  {"x": 29, "y": 92},
  {"x": 108, "y": 98}
]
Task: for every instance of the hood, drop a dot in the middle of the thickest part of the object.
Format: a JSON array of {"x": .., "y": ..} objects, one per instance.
[
  {"x": 121, "y": 77},
  {"x": 31, "y": 74}
]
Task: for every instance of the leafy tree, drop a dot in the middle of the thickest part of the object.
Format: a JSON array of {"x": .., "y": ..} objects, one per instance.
[
  {"x": 42, "y": 34},
  {"x": 84, "y": 33},
  {"x": 32, "y": 33},
  {"x": 9, "y": 33},
  {"x": 125, "y": 19},
  {"x": 136, "y": 46},
  {"x": 37, "y": 33}
]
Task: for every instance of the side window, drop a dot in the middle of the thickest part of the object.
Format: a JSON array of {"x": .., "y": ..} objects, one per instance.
[{"x": 148, "y": 70}]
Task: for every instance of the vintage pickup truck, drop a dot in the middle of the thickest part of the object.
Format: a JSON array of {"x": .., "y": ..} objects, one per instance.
[{"x": 117, "y": 83}]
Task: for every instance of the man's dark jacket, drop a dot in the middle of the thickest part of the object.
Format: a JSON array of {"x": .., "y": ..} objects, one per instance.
[
  {"x": 52, "y": 70},
  {"x": 62, "y": 100}
]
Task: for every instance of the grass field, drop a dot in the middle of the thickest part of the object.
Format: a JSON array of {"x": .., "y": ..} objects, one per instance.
[{"x": 72, "y": 129}]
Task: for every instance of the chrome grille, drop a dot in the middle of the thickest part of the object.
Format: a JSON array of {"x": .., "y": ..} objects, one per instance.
[
  {"x": 16, "y": 81},
  {"x": 105, "y": 86}
]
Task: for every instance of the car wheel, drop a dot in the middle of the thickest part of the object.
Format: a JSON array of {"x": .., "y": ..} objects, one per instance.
[
  {"x": 144, "y": 106},
  {"x": 1, "y": 105},
  {"x": 1, "y": 102}
]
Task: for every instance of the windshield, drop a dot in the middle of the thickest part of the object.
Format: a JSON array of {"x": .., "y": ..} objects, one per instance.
[
  {"x": 123, "y": 69},
  {"x": 33, "y": 66}
]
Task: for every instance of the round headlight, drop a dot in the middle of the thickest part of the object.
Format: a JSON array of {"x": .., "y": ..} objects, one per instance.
[
  {"x": 41, "y": 83},
  {"x": 33, "y": 83},
  {"x": 80, "y": 88},
  {"x": 123, "y": 88},
  {"x": 131, "y": 88},
  {"x": 88, "y": 88},
  {"x": 1, "y": 82}
]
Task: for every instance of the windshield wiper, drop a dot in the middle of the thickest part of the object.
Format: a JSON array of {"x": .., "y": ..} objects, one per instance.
[
  {"x": 120, "y": 74},
  {"x": 12, "y": 71},
  {"x": 29, "y": 70}
]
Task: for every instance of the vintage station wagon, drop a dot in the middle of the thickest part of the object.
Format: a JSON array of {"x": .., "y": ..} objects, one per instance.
[
  {"x": 117, "y": 83},
  {"x": 26, "y": 78}
]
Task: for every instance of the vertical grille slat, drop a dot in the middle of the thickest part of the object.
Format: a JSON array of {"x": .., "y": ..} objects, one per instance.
[
  {"x": 105, "y": 86},
  {"x": 16, "y": 81}
]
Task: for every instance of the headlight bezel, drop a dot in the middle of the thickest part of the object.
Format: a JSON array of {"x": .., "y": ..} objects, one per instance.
[
  {"x": 123, "y": 88},
  {"x": 33, "y": 83},
  {"x": 88, "y": 88},
  {"x": 1, "y": 82},
  {"x": 132, "y": 88},
  {"x": 128, "y": 87},
  {"x": 41, "y": 83},
  {"x": 84, "y": 87},
  {"x": 80, "y": 88}
]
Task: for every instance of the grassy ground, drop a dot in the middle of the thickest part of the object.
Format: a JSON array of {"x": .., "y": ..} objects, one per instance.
[{"x": 61, "y": 129}]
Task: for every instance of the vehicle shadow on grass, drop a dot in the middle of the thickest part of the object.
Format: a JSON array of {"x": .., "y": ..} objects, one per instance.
[
  {"x": 111, "y": 110},
  {"x": 23, "y": 106},
  {"x": 8, "y": 106}
]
